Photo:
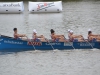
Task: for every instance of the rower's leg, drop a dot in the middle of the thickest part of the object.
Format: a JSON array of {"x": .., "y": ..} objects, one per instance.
[
  {"x": 42, "y": 39},
  {"x": 62, "y": 40},
  {"x": 79, "y": 40},
  {"x": 98, "y": 38}
]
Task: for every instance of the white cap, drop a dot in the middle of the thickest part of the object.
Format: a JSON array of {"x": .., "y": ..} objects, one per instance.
[
  {"x": 34, "y": 31},
  {"x": 71, "y": 31},
  {"x": 89, "y": 29}
]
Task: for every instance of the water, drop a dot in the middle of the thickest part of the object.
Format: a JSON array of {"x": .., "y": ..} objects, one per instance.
[
  {"x": 78, "y": 62},
  {"x": 78, "y": 16}
]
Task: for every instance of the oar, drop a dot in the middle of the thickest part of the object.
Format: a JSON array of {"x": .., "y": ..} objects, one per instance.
[
  {"x": 87, "y": 42},
  {"x": 32, "y": 44},
  {"x": 69, "y": 43},
  {"x": 49, "y": 43}
]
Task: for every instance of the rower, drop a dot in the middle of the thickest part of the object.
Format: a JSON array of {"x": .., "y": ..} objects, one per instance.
[
  {"x": 18, "y": 36},
  {"x": 93, "y": 37},
  {"x": 37, "y": 38},
  {"x": 76, "y": 38},
  {"x": 57, "y": 38}
]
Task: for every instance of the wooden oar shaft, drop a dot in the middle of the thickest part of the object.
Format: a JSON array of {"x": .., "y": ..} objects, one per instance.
[
  {"x": 88, "y": 42},
  {"x": 49, "y": 43},
  {"x": 32, "y": 44},
  {"x": 70, "y": 44}
]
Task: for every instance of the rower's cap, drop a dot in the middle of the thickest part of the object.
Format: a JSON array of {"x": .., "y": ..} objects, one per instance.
[
  {"x": 89, "y": 29},
  {"x": 34, "y": 31},
  {"x": 71, "y": 31}
]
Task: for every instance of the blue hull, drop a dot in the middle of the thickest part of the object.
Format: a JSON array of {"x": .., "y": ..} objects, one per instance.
[{"x": 13, "y": 45}]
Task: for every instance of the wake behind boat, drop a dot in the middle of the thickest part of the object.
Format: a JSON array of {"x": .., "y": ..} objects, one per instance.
[{"x": 11, "y": 44}]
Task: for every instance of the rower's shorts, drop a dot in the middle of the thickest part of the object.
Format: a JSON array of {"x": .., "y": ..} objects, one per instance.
[
  {"x": 18, "y": 38},
  {"x": 94, "y": 40},
  {"x": 57, "y": 40},
  {"x": 37, "y": 40},
  {"x": 75, "y": 40}
]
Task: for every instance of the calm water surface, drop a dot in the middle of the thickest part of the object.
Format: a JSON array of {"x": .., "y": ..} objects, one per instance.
[{"x": 78, "y": 16}]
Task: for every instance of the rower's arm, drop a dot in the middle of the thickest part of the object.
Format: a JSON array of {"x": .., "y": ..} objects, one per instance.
[
  {"x": 94, "y": 35},
  {"x": 74, "y": 36},
  {"x": 38, "y": 36},
  {"x": 21, "y": 35},
  {"x": 59, "y": 35},
  {"x": 77, "y": 36}
]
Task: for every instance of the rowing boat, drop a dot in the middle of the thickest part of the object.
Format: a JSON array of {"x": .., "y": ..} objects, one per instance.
[{"x": 13, "y": 45}]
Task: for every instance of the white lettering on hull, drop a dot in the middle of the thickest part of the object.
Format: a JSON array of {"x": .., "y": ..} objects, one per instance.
[
  {"x": 12, "y": 42},
  {"x": 68, "y": 44},
  {"x": 1, "y": 39},
  {"x": 87, "y": 44},
  {"x": 53, "y": 43}
]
